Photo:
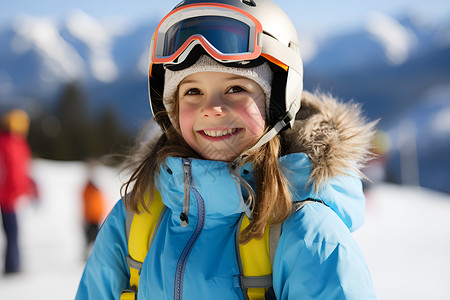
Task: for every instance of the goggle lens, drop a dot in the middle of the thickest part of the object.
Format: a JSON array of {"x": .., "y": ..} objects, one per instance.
[{"x": 227, "y": 35}]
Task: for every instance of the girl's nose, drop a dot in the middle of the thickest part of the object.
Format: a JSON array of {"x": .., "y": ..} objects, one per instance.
[
  {"x": 213, "y": 108},
  {"x": 213, "y": 111}
]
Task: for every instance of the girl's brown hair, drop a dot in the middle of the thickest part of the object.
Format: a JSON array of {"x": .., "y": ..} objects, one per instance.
[{"x": 270, "y": 203}]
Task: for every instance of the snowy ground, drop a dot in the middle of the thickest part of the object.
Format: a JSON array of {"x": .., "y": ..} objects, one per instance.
[
  {"x": 406, "y": 238},
  {"x": 406, "y": 243}
]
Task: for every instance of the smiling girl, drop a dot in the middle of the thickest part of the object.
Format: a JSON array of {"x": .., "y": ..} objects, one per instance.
[
  {"x": 220, "y": 113},
  {"x": 225, "y": 85}
]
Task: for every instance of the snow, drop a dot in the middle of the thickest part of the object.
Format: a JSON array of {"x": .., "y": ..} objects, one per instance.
[
  {"x": 51, "y": 232},
  {"x": 59, "y": 57},
  {"x": 406, "y": 238},
  {"x": 396, "y": 40},
  {"x": 406, "y": 242},
  {"x": 99, "y": 42},
  {"x": 143, "y": 63},
  {"x": 444, "y": 35},
  {"x": 430, "y": 118},
  {"x": 441, "y": 123},
  {"x": 309, "y": 47}
]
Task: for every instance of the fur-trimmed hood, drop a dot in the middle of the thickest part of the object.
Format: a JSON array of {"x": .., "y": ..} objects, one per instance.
[{"x": 334, "y": 135}]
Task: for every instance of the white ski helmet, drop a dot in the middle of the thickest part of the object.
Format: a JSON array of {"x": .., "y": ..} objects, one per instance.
[{"x": 235, "y": 33}]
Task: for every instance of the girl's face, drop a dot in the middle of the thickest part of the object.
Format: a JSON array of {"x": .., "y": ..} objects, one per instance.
[{"x": 220, "y": 114}]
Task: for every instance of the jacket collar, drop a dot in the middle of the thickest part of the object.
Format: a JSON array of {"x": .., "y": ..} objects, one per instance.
[
  {"x": 224, "y": 197},
  {"x": 220, "y": 192}
]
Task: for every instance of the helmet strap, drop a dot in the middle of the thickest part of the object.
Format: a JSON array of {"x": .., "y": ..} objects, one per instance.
[{"x": 279, "y": 126}]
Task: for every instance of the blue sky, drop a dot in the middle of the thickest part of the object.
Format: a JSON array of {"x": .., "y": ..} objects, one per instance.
[{"x": 311, "y": 17}]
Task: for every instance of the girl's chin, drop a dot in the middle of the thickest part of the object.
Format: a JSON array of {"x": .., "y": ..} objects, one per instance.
[
  {"x": 219, "y": 156},
  {"x": 227, "y": 153},
  {"x": 221, "y": 151}
]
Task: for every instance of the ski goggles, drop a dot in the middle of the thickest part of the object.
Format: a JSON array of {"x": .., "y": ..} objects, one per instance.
[{"x": 225, "y": 32}]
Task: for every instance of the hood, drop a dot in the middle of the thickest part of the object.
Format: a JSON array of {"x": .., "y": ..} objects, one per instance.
[{"x": 334, "y": 135}]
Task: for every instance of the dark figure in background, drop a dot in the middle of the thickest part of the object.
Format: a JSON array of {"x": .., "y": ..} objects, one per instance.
[
  {"x": 15, "y": 182},
  {"x": 94, "y": 206}
]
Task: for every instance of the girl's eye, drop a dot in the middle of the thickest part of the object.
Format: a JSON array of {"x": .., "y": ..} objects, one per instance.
[
  {"x": 235, "y": 89},
  {"x": 193, "y": 92}
]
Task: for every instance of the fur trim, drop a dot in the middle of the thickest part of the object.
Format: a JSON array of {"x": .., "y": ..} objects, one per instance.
[{"x": 334, "y": 135}]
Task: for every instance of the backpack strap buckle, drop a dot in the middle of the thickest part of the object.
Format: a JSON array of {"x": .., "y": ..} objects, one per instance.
[
  {"x": 129, "y": 294},
  {"x": 248, "y": 282}
]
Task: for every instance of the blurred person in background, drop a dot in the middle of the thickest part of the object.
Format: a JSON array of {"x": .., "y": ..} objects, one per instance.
[
  {"x": 94, "y": 209},
  {"x": 15, "y": 182}
]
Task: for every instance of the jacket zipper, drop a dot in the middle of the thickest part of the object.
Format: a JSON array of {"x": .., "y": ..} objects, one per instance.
[{"x": 182, "y": 260}]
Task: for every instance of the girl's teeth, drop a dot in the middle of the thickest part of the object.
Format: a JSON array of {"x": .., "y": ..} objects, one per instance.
[{"x": 214, "y": 133}]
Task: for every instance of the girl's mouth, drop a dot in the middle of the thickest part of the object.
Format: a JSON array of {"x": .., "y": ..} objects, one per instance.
[{"x": 219, "y": 134}]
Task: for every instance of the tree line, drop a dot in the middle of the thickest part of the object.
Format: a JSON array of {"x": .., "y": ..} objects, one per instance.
[{"x": 71, "y": 132}]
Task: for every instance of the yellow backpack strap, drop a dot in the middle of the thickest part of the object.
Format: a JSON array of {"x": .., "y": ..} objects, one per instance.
[
  {"x": 255, "y": 261},
  {"x": 141, "y": 229}
]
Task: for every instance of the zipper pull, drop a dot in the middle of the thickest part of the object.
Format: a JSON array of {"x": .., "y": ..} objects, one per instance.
[
  {"x": 184, "y": 219},
  {"x": 187, "y": 192}
]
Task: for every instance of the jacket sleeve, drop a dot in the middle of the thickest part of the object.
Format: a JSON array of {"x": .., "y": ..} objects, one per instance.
[
  {"x": 317, "y": 258},
  {"x": 106, "y": 272},
  {"x": 14, "y": 169}
]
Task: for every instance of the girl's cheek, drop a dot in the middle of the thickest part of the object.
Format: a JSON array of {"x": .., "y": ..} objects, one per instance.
[
  {"x": 255, "y": 119},
  {"x": 186, "y": 122}
]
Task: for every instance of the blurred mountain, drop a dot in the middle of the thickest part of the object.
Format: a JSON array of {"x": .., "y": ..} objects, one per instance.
[
  {"x": 38, "y": 57},
  {"x": 421, "y": 142},
  {"x": 399, "y": 69},
  {"x": 395, "y": 67},
  {"x": 389, "y": 65}
]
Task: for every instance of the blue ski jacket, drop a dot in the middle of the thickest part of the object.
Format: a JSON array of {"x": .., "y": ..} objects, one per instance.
[{"x": 316, "y": 258}]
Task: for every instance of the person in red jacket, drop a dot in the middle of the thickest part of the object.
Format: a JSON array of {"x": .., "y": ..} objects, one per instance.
[{"x": 15, "y": 182}]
